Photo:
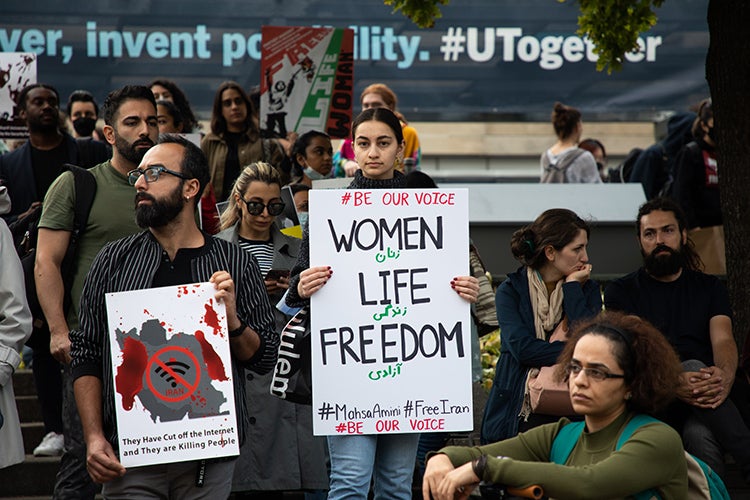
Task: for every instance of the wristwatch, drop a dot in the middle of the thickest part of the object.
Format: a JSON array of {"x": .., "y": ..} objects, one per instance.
[
  {"x": 237, "y": 331},
  {"x": 478, "y": 466}
]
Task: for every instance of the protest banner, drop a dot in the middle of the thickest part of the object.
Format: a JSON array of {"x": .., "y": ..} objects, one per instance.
[
  {"x": 390, "y": 337},
  {"x": 17, "y": 70},
  {"x": 461, "y": 70},
  {"x": 307, "y": 80},
  {"x": 172, "y": 371}
]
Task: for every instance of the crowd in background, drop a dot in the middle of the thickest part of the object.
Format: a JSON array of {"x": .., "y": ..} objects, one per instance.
[{"x": 242, "y": 202}]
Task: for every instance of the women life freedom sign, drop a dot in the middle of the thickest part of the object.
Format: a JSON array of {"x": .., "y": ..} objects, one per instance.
[
  {"x": 172, "y": 372},
  {"x": 390, "y": 337}
]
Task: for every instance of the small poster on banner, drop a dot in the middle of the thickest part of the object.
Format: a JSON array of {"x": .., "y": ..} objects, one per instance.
[
  {"x": 172, "y": 370},
  {"x": 307, "y": 80},
  {"x": 390, "y": 337},
  {"x": 17, "y": 70}
]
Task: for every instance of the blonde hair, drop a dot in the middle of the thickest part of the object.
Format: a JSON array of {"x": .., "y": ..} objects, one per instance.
[
  {"x": 388, "y": 96},
  {"x": 258, "y": 171}
]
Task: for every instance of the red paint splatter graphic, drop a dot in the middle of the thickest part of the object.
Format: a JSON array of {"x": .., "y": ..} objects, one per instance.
[
  {"x": 199, "y": 400},
  {"x": 129, "y": 378},
  {"x": 212, "y": 319},
  {"x": 213, "y": 362}
]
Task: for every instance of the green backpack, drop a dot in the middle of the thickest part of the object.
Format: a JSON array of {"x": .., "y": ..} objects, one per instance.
[{"x": 703, "y": 482}]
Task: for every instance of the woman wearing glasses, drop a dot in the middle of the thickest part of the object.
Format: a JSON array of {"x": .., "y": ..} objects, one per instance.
[
  {"x": 617, "y": 367},
  {"x": 280, "y": 433},
  {"x": 552, "y": 286}
]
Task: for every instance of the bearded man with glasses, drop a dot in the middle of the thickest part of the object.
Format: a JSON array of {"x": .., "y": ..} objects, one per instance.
[{"x": 171, "y": 251}]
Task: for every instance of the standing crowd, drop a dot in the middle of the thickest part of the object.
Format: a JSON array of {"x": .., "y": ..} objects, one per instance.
[{"x": 657, "y": 373}]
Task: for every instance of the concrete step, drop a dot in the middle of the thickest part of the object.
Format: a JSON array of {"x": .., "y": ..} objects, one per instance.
[
  {"x": 29, "y": 409},
  {"x": 32, "y": 432},
  {"x": 23, "y": 383},
  {"x": 34, "y": 477}
]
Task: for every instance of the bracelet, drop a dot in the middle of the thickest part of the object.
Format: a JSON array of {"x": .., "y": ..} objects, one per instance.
[
  {"x": 478, "y": 466},
  {"x": 233, "y": 334}
]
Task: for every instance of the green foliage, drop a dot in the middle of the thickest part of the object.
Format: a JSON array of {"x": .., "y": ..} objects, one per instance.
[
  {"x": 421, "y": 12},
  {"x": 613, "y": 26},
  {"x": 489, "y": 346}
]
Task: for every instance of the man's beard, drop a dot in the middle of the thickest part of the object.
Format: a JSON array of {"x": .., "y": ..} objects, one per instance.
[
  {"x": 41, "y": 127},
  {"x": 130, "y": 151},
  {"x": 668, "y": 264},
  {"x": 158, "y": 213}
]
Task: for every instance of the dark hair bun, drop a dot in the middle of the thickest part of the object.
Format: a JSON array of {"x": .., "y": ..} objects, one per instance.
[{"x": 522, "y": 245}]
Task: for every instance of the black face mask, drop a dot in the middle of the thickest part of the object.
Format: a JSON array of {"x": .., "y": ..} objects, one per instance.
[{"x": 84, "y": 126}]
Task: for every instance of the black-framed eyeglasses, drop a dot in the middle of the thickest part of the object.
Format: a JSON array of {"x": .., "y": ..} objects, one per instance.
[
  {"x": 573, "y": 369},
  {"x": 152, "y": 174},
  {"x": 256, "y": 207}
]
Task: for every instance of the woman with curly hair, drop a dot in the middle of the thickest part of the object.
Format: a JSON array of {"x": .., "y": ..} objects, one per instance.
[{"x": 617, "y": 368}]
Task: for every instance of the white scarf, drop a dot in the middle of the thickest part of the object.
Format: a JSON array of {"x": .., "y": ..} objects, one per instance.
[{"x": 547, "y": 314}]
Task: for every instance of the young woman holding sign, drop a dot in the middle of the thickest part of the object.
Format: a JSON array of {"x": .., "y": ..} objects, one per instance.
[{"x": 378, "y": 144}]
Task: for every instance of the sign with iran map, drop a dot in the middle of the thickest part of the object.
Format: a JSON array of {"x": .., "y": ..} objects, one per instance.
[{"x": 172, "y": 372}]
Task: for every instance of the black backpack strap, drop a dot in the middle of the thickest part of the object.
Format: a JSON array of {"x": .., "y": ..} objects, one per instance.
[{"x": 85, "y": 191}]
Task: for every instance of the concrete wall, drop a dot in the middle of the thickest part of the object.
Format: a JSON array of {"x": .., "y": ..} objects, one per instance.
[{"x": 509, "y": 151}]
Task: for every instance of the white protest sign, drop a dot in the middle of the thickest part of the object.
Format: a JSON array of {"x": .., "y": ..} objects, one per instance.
[
  {"x": 17, "y": 70},
  {"x": 172, "y": 370},
  {"x": 390, "y": 337}
]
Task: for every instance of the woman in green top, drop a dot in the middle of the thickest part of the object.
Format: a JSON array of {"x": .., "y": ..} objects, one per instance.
[{"x": 616, "y": 367}]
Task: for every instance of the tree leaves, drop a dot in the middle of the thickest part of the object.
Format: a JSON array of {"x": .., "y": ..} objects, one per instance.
[
  {"x": 421, "y": 12},
  {"x": 613, "y": 26}
]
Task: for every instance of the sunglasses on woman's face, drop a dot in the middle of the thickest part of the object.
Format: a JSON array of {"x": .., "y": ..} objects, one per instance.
[{"x": 256, "y": 207}]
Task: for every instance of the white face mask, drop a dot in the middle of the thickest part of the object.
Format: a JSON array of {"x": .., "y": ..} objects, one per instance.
[
  {"x": 302, "y": 216},
  {"x": 314, "y": 174}
]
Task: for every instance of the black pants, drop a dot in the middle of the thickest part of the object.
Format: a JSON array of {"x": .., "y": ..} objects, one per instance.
[
  {"x": 73, "y": 481},
  {"x": 715, "y": 431},
  {"x": 48, "y": 381}
]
